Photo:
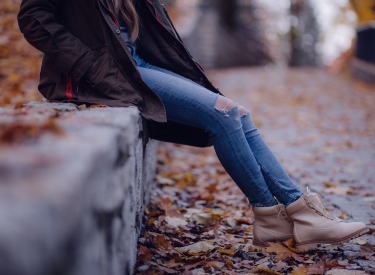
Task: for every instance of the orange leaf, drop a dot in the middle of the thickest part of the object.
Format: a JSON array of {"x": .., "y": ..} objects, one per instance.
[{"x": 144, "y": 254}]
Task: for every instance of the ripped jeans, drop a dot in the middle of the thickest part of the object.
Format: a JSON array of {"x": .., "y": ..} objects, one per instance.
[{"x": 238, "y": 145}]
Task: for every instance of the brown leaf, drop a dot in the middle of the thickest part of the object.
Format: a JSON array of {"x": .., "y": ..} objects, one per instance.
[
  {"x": 301, "y": 270},
  {"x": 215, "y": 264},
  {"x": 280, "y": 265},
  {"x": 229, "y": 263},
  {"x": 317, "y": 269},
  {"x": 161, "y": 240},
  {"x": 144, "y": 254},
  {"x": 150, "y": 222},
  {"x": 165, "y": 269},
  {"x": 267, "y": 270},
  {"x": 290, "y": 244},
  {"x": 212, "y": 187},
  {"x": 283, "y": 255},
  {"x": 367, "y": 250},
  {"x": 277, "y": 248},
  {"x": 165, "y": 203},
  {"x": 171, "y": 264}
]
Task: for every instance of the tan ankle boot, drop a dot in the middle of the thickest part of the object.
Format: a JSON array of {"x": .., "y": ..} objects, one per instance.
[
  {"x": 314, "y": 227},
  {"x": 271, "y": 224}
]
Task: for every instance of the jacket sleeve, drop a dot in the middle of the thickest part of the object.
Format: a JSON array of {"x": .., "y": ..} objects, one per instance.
[{"x": 37, "y": 21}]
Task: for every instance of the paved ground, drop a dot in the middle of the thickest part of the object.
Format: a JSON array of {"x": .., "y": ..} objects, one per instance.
[{"x": 320, "y": 126}]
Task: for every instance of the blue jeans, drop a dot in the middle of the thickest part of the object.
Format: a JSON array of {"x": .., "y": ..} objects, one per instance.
[{"x": 238, "y": 145}]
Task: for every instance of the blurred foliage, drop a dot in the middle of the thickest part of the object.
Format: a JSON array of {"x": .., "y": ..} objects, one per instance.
[
  {"x": 19, "y": 62},
  {"x": 365, "y": 10}
]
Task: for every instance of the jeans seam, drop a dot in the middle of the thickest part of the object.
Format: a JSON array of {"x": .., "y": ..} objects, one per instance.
[{"x": 275, "y": 181}]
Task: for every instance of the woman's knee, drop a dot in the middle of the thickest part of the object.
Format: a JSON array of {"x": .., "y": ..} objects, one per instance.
[
  {"x": 243, "y": 111},
  {"x": 224, "y": 104}
]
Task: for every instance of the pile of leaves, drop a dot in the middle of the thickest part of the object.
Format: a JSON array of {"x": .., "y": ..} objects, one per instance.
[
  {"x": 199, "y": 222},
  {"x": 19, "y": 62}
]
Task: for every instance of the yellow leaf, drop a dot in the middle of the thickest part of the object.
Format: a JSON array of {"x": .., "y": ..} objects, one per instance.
[
  {"x": 301, "y": 270},
  {"x": 229, "y": 252},
  {"x": 339, "y": 190},
  {"x": 203, "y": 218},
  {"x": 276, "y": 248},
  {"x": 267, "y": 270}
]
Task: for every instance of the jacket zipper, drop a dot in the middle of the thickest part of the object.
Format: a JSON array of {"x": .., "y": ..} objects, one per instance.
[
  {"x": 69, "y": 87},
  {"x": 112, "y": 15},
  {"x": 156, "y": 14}
]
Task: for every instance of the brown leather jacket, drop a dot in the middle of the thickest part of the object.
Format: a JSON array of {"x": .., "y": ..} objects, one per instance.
[{"x": 81, "y": 37}]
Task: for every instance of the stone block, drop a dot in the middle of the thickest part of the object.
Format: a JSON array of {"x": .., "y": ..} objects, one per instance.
[{"x": 73, "y": 185}]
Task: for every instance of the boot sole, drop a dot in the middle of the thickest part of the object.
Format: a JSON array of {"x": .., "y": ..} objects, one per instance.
[{"x": 304, "y": 247}]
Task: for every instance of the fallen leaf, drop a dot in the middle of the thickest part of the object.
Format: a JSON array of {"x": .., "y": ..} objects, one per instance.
[
  {"x": 172, "y": 264},
  {"x": 230, "y": 252},
  {"x": 317, "y": 269},
  {"x": 280, "y": 265},
  {"x": 367, "y": 250},
  {"x": 215, "y": 264},
  {"x": 344, "y": 215},
  {"x": 204, "y": 218},
  {"x": 161, "y": 240},
  {"x": 339, "y": 190},
  {"x": 360, "y": 241},
  {"x": 267, "y": 270},
  {"x": 229, "y": 263},
  {"x": 301, "y": 270},
  {"x": 175, "y": 222},
  {"x": 345, "y": 272},
  {"x": 276, "y": 248},
  {"x": 144, "y": 254},
  {"x": 197, "y": 248},
  {"x": 164, "y": 181},
  {"x": 165, "y": 269},
  {"x": 290, "y": 244},
  {"x": 284, "y": 255},
  {"x": 344, "y": 262}
]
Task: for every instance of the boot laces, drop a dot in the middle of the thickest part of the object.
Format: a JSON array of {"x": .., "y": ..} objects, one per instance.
[{"x": 316, "y": 203}]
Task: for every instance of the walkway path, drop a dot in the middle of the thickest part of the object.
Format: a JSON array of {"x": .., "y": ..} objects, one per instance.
[{"x": 321, "y": 127}]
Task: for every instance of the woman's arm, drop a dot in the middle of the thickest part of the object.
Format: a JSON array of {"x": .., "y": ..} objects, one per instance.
[{"x": 38, "y": 23}]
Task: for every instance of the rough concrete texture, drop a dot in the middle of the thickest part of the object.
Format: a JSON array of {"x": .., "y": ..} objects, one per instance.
[{"x": 72, "y": 195}]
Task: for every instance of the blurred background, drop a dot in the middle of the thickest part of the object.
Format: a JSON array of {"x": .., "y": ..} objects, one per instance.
[{"x": 338, "y": 35}]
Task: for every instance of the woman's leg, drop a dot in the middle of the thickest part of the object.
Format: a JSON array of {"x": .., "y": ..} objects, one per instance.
[
  {"x": 193, "y": 105},
  {"x": 278, "y": 181}
]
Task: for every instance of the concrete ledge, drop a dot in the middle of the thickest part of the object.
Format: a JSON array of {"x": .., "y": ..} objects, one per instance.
[{"x": 73, "y": 184}]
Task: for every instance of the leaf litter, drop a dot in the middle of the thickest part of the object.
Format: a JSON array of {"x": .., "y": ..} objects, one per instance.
[{"x": 199, "y": 222}]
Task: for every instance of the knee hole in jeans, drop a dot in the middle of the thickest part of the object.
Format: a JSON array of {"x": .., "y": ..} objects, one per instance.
[
  {"x": 224, "y": 104},
  {"x": 243, "y": 111}
]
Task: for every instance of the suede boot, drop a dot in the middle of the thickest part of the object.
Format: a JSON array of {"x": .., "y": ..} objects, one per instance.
[
  {"x": 271, "y": 224},
  {"x": 314, "y": 227}
]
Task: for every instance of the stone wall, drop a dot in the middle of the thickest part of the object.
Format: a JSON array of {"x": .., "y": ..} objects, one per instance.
[{"x": 73, "y": 185}]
